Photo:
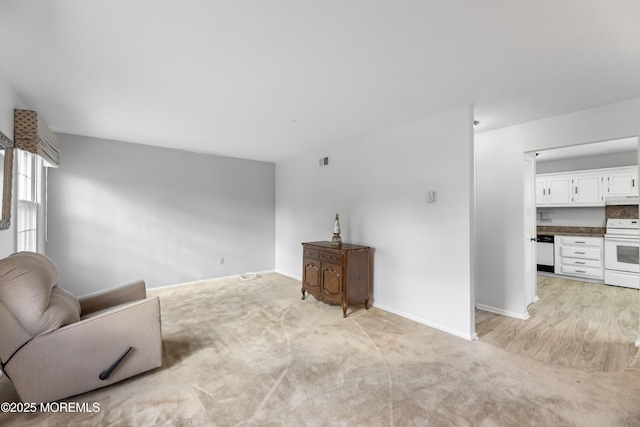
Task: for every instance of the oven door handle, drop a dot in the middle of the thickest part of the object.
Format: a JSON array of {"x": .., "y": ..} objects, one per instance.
[{"x": 621, "y": 239}]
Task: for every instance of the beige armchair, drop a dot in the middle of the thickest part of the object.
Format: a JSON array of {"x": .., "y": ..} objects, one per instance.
[{"x": 54, "y": 345}]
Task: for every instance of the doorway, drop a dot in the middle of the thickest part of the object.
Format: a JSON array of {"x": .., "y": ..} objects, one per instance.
[
  {"x": 551, "y": 212},
  {"x": 599, "y": 155}
]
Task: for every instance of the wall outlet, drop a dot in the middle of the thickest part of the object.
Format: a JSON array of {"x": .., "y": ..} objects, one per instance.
[
  {"x": 323, "y": 162},
  {"x": 220, "y": 261}
]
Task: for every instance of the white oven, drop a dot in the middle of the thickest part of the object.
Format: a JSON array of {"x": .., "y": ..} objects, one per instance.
[{"x": 621, "y": 253}]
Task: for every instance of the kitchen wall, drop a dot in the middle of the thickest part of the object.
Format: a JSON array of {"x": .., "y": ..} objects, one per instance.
[
  {"x": 573, "y": 217},
  {"x": 120, "y": 212},
  {"x": 588, "y": 162},
  {"x": 499, "y": 180},
  {"x": 423, "y": 259}
]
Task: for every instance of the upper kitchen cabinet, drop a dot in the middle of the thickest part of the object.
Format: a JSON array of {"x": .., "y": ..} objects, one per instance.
[
  {"x": 553, "y": 190},
  {"x": 587, "y": 190},
  {"x": 623, "y": 182},
  {"x": 586, "y": 187}
]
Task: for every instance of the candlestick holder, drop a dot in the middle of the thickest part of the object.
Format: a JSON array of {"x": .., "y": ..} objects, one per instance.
[{"x": 336, "y": 240}]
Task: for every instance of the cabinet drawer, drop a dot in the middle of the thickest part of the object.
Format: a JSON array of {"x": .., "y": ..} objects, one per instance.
[
  {"x": 582, "y": 241},
  {"x": 310, "y": 253},
  {"x": 330, "y": 256},
  {"x": 595, "y": 273},
  {"x": 586, "y": 252},
  {"x": 324, "y": 256},
  {"x": 582, "y": 262}
]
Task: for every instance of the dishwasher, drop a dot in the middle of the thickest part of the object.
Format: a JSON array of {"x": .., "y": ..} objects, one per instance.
[{"x": 544, "y": 253}]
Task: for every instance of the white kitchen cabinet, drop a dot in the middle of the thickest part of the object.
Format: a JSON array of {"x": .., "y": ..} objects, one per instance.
[
  {"x": 554, "y": 191},
  {"x": 559, "y": 189},
  {"x": 579, "y": 256},
  {"x": 541, "y": 192},
  {"x": 586, "y": 187},
  {"x": 623, "y": 182},
  {"x": 569, "y": 190},
  {"x": 587, "y": 190}
]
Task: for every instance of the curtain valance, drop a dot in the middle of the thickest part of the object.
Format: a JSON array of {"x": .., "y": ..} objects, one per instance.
[{"x": 31, "y": 134}]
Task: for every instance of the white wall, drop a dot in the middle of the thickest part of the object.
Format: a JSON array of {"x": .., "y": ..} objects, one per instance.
[
  {"x": 378, "y": 185},
  {"x": 120, "y": 212},
  {"x": 500, "y": 225}
]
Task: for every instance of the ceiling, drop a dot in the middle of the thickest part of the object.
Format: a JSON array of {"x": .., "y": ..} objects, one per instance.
[{"x": 267, "y": 80}]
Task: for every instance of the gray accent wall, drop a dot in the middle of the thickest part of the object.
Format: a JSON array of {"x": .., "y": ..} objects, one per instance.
[{"x": 118, "y": 212}]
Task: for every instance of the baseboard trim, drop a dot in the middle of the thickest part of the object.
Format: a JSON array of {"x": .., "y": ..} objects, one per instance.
[
  {"x": 288, "y": 275},
  {"x": 521, "y": 316},
  {"x": 199, "y": 281},
  {"x": 468, "y": 337}
]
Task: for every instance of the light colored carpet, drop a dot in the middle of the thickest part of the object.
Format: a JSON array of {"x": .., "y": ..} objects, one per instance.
[
  {"x": 578, "y": 324},
  {"x": 253, "y": 353}
]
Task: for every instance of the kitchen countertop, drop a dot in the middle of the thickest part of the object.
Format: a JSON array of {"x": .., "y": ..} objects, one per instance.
[{"x": 571, "y": 231}]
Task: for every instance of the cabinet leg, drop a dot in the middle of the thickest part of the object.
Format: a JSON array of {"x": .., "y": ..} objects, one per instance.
[
  {"x": 303, "y": 295},
  {"x": 366, "y": 304},
  {"x": 344, "y": 309}
]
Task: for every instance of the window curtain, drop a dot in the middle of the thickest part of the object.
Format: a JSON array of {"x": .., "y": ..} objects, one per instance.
[{"x": 31, "y": 134}]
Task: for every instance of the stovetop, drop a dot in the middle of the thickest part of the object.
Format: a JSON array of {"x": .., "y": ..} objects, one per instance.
[
  {"x": 622, "y": 223},
  {"x": 622, "y": 227}
]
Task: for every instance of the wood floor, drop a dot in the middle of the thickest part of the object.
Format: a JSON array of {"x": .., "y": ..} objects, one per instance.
[{"x": 582, "y": 325}]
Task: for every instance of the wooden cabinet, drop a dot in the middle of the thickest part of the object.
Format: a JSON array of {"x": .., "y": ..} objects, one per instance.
[
  {"x": 579, "y": 256},
  {"x": 336, "y": 274}
]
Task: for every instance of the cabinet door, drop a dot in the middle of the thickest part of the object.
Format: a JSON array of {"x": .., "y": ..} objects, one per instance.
[
  {"x": 560, "y": 191},
  {"x": 332, "y": 281},
  {"x": 623, "y": 184},
  {"x": 541, "y": 192},
  {"x": 588, "y": 190},
  {"x": 311, "y": 276}
]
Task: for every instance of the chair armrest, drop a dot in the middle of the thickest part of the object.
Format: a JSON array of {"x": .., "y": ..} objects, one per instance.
[
  {"x": 69, "y": 360},
  {"x": 107, "y": 298}
]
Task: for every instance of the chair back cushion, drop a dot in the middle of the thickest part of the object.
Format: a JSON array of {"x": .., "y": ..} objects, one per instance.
[{"x": 31, "y": 303}]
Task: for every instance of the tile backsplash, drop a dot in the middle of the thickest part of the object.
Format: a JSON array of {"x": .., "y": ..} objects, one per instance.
[{"x": 621, "y": 211}]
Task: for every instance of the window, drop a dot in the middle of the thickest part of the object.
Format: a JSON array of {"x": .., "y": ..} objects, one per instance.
[{"x": 29, "y": 215}]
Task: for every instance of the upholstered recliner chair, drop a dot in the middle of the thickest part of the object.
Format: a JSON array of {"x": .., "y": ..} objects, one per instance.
[{"x": 54, "y": 345}]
